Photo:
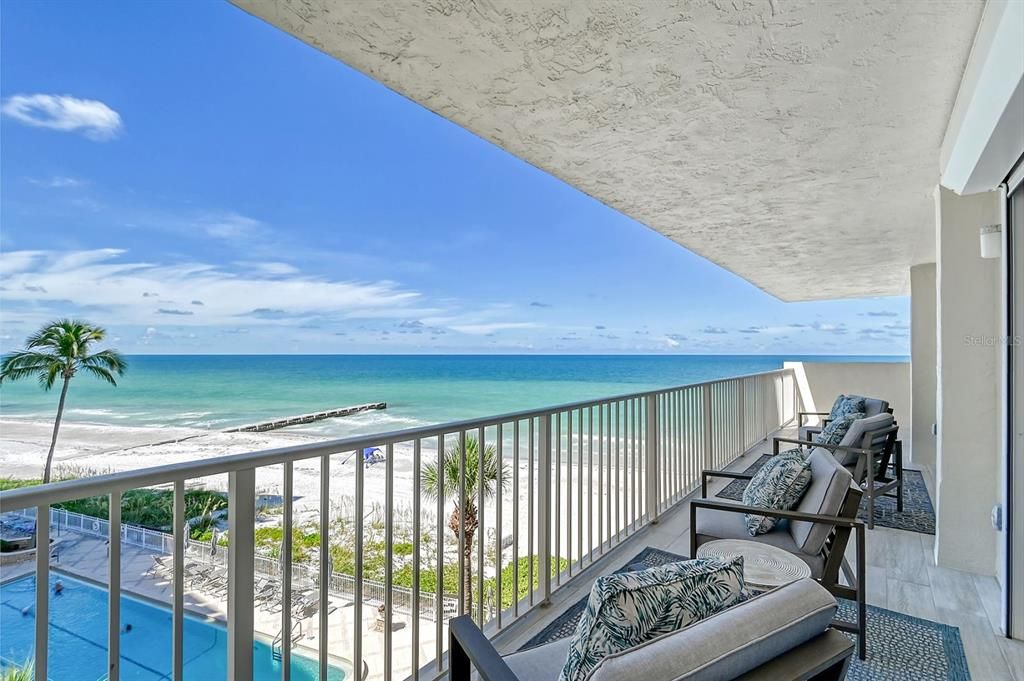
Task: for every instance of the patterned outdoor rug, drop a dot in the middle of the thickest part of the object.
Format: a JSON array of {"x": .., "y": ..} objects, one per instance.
[
  {"x": 900, "y": 647},
  {"x": 918, "y": 513}
]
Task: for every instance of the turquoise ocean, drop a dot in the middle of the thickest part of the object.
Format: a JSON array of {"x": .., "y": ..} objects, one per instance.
[{"x": 219, "y": 391}]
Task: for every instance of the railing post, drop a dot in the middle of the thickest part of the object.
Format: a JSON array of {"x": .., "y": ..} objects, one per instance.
[
  {"x": 544, "y": 509},
  {"x": 651, "y": 458},
  {"x": 706, "y": 412},
  {"x": 241, "y": 564},
  {"x": 114, "y": 587},
  {"x": 42, "y": 592},
  {"x": 178, "y": 577},
  {"x": 742, "y": 399}
]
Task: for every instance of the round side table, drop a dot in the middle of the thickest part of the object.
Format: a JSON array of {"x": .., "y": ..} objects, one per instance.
[{"x": 764, "y": 566}]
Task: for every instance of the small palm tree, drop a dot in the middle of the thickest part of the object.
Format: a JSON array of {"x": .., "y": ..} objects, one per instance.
[
  {"x": 464, "y": 510},
  {"x": 60, "y": 350}
]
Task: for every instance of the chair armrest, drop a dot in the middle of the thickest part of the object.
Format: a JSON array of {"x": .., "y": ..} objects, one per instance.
[
  {"x": 704, "y": 475},
  {"x": 467, "y": 646},
  {"x": 801, "y": 414},
  {"x": 790, "y": 440},
  {"x": 774, "y": 513},
  {"x": 811, "y": 444}
]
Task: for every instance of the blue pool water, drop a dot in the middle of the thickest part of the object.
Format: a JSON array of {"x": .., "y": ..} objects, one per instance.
[{"x": 78, "y": 638}]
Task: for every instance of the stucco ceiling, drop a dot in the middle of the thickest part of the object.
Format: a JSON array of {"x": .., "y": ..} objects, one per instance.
[{"x": 795, "y": 143}]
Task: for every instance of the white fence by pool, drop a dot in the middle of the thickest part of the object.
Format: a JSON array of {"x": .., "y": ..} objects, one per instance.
[{"x": 343, "y": 585}]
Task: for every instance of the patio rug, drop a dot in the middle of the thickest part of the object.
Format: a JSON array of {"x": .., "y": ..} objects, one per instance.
[
  {"x": 900, "y": 647},
  {"x": 918, "y": 513}
]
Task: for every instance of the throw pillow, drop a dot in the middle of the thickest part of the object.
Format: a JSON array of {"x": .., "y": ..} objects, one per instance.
[
  {"x": 627, "y": 609},
  {"x": 846, "y": 404},
  {"x": 834, "y": 431},
  {"x": 778, "y": 485}
]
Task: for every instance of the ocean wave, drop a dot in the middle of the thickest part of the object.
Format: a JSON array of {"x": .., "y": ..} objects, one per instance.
[
  {"x": 30, "y": 416},
  {"x": 109, "y": 413}
]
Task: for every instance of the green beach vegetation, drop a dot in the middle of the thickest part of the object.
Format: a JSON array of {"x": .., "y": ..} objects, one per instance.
[
  {"x": 24, "y": 672},
  {"x": 306, "y": 546},
  {"x": 150, "y": 508},
  {"x": 60, "y": 350}
]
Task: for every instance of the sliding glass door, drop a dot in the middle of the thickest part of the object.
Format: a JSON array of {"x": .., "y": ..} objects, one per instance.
[{"x": 1012, "y": 570}]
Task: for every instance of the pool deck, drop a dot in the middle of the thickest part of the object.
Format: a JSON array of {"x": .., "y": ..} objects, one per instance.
[{"x": 86, "y": 558}]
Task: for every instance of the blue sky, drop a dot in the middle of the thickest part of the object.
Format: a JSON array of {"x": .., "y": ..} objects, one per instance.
[{"x": 197, "y": 181}]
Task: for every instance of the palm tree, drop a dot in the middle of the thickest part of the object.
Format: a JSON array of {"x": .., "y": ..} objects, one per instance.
[
  {"x": 60, "y": 350},
  {"x": 464, "y": 510}
]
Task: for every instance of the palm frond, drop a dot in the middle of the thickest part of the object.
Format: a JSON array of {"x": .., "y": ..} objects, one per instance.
[
  {"x": 60, "y": 349},
  {"x": 49, "y": 377},
  {"x": 452, "y": 465},
  {"x": 100, "y": 373},
  {"x": 110, "y": 361},
  {"x": 26, "y": 364}
]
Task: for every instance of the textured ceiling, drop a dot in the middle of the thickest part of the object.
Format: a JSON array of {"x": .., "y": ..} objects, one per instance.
[{"x": 795, "y": 143}]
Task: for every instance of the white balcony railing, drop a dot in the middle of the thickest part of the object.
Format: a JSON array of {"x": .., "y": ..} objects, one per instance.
[{"x": 584, "y": 478}]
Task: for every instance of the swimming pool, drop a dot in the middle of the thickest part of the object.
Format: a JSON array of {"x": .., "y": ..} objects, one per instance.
[{"x": 78, "y": 638}]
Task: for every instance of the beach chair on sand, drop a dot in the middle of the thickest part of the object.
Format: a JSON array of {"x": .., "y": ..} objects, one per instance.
[{"x": 372, "y": 455}]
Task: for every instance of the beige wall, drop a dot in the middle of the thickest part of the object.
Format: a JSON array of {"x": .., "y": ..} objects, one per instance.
[
  {"x": 968, "y": 395},
  {"x": 922, "y": 362},
  {"x": 821, "y": 382}
]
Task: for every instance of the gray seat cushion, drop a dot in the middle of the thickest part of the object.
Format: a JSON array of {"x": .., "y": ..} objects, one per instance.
[
  {"x": 830, "y": 483},
  {"x": 729, "y": 643},
  {"x": 542, "y": 663},
  {"x": 855, "y": 436},
  {"x": 713, "y": 524}
]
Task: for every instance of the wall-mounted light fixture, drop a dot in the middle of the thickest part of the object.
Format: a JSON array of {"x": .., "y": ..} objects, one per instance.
[{"x": 991, "y": 241}]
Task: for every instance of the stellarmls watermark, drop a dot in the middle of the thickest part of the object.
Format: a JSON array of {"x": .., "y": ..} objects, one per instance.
[{"x": 993, "y": 341}]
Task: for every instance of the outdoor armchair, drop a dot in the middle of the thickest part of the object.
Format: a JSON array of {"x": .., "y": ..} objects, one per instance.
[
  {"x": 872, "y": 406},
  {"x": 868, "y": 450},
  {"x": 817, "y": 531}
]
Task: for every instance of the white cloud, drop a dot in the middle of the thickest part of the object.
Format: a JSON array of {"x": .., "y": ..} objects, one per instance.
[
  {"x": 270, "y": 268},
  {"x": 230, "y": 226},
  {"x": 484, "y": 329},
  {"x": 90, "y": 117},
  {"x": 57, "y": 182},
  {"x": 103, "y": 278},
  {"x": 18, "y": 261}
]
